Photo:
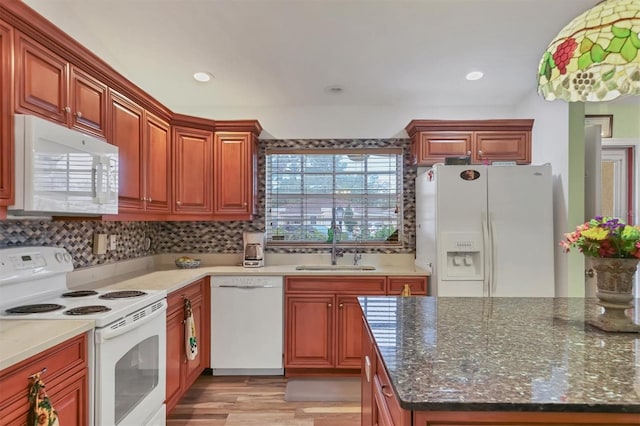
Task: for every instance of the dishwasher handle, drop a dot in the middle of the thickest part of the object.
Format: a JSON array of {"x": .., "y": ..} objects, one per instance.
[{"x": 247, "y": 287}]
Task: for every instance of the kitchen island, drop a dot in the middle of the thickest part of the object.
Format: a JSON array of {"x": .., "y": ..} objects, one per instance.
[{"x": 507, "y": 361}]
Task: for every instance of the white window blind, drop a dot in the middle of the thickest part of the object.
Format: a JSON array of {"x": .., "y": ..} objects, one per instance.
[{"x": 307, "y": 189}]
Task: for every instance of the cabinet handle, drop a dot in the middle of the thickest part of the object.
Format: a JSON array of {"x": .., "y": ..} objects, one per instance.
[
  {"x": 328, "y": 305},
  {"x": 79, "y": 114},
  {"x": 179, "y": 203},
  {"x": 480, "y": 153},
  {"x": 149, "y": 199},
  {"x": 469, "y": 152},
  {"x": 67, "y": 109},
  {"x": 340, "y": 306},
  {"x": 386, "y": 393},
  {"x": 244, "y": 204}
]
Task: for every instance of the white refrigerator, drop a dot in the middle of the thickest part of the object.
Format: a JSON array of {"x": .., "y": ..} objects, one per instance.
[{"x": 486, "y": 230}]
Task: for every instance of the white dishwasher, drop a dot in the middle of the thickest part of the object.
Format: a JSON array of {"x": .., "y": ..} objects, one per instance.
[{"x": 247, "y": 325}]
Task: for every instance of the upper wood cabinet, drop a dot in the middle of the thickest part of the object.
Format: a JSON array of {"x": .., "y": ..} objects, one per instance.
[
  {"x": 144, "y": 144},
  {"x": 157, "y": 164},
  {"x": 192, "y": 171},
  {"x": 234, "y": 182},
  {"x": 484, "y": 141},
  {"x": 49, "y": 86},
  {"x": 125, "y": 119},
  {"x": 6, "y": 124}
]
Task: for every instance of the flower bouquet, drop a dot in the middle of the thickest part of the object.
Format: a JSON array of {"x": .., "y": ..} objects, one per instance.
[
  {"x": 607, "y": 237},
  {"x": 614, "y": 249}
]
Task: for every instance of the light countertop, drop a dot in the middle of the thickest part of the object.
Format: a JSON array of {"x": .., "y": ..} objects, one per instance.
[
  {"x": 17, "y": 337},
  {"x": 21, "y": 339}
]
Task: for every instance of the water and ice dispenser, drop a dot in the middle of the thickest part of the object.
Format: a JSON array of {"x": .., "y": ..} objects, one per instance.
[{"x": 463, "y": 256}]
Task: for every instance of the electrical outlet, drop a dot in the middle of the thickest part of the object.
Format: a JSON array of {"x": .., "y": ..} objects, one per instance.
[
  {"x": 99, "y": 243},
  {"x": 113, "y": 242}
]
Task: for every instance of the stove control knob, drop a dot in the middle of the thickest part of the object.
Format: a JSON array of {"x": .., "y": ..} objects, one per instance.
[
  {"x": 59, "y": 257},
  {"x": 67, "y": 257}
]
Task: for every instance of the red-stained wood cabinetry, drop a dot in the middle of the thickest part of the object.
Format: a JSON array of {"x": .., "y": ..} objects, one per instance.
[
  {"x": 235, "y": 169},
  {"x": 49, "y": 86},
  {"x": 66, "y": 379},
  {"x": 192, "y": 171},
  {"x": 484, "y": 141},
  {"x": 182, "y": 372},
  {"x": 6, "y": 124}
]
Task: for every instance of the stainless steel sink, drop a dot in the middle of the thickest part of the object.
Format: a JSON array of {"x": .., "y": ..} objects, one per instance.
[{"x": 335, "y": 268}]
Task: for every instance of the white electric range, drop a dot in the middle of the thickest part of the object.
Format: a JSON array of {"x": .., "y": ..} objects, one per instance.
[{"x": 127, "y": 367}]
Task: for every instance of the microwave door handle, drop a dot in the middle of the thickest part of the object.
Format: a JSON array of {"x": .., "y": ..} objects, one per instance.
[{"x": 94, "y": 177}]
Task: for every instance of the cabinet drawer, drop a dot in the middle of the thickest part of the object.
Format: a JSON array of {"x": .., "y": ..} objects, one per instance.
[
  {"x": 336, "y": 284},
  {"x": 193, "y": 292},
  {"x": 60, "y": 361},
  {"x": 417, "y": 285}
]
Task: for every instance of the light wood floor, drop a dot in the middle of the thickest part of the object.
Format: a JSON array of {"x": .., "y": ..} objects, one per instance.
[{"x": 252, "y": 400}]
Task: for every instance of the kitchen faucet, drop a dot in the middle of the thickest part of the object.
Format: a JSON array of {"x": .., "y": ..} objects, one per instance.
[{"x": 335, "y": 231}]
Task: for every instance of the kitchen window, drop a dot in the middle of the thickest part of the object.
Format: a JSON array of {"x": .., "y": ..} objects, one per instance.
[{"x": 356, "y": 193}]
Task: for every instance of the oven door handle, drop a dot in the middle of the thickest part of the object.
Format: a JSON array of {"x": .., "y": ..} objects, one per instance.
[{"x": 130, "y": 322}]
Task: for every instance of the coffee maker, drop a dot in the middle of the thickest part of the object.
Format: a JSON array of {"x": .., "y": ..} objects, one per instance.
[{"x": 253, "y": 243}]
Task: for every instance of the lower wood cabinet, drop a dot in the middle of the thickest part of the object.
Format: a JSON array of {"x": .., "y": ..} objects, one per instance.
[
  {"x": 323, "y": 319},
  {"x": 182, "y": 372},
  {"x": 366, "y": 375},
  {"x": 66, "y": 379}
]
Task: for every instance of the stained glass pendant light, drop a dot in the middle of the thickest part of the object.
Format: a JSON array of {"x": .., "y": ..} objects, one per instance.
[{"x": 596, "y": 57}]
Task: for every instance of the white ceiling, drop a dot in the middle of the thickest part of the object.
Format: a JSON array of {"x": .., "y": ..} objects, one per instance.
[{"x": 266, "y": 53}]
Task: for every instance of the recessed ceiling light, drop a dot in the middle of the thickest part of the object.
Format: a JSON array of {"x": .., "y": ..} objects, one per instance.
[
  {"x": 474, "y": 75},
  {"x": 202, "y": 76},
  {"x": 334, "y": 90}
]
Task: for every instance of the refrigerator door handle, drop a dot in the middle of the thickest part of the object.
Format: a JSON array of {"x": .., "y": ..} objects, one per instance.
[
  {"x": 492, "y": 256},
  {"x": 485, "y": 254}
]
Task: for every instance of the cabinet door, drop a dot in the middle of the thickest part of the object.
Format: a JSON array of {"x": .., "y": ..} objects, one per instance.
[
  {"x": 502, "y": 146},
  {"x": 88, "y": 103},
  {"x": 433, "y": 147},
  {"x": 194, "y": 368},
  {"x": 126, "y": 133},
  {"x": 309, "y": 331},
  {"x": 417, "y": 285},
  {"x": 41, "y": 81},
  {"x": 193, "y": 154},
  {"x": 367, "y": 373},
  {"x": 175, "y": 358},
  {"x": 157, "y": 167},
  {"x": 6, "y": 125},
  {"x": 349, "y": 332},
  {"x": 234, "y": 157},
  {"x": 70, "y": 399}
]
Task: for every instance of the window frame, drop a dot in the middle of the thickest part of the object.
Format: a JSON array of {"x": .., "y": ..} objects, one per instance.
[{"x": 399, "y": 196}]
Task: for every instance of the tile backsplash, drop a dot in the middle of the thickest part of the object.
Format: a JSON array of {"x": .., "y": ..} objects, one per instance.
[{"x": 194, "y": 237}]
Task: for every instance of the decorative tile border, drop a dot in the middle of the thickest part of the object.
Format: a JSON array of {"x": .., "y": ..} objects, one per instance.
[{"x": 196, "y": 237}]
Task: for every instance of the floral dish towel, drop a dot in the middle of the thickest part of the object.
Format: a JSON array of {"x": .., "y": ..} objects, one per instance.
[{"x": 41, "y": 412}]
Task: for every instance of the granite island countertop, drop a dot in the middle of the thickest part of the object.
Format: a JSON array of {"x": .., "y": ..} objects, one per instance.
[{"x": 504, "y": 354}]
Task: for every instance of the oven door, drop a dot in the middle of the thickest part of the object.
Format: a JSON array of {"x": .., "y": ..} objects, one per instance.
[{"x": 130, "y": 366}]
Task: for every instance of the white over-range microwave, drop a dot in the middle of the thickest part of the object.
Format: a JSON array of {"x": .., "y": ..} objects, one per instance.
[{"x": 62, "y": 171}]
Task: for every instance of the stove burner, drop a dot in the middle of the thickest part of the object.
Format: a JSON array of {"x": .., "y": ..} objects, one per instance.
[
  {"x": 80, "y": 293},
  {"x": 86, "y": 310},
  {"x": 34, "y": 309},
  {"x": 123, "y": 294}
]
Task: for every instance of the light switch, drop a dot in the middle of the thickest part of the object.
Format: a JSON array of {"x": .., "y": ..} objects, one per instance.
[{"x": 113, "y": 242}]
